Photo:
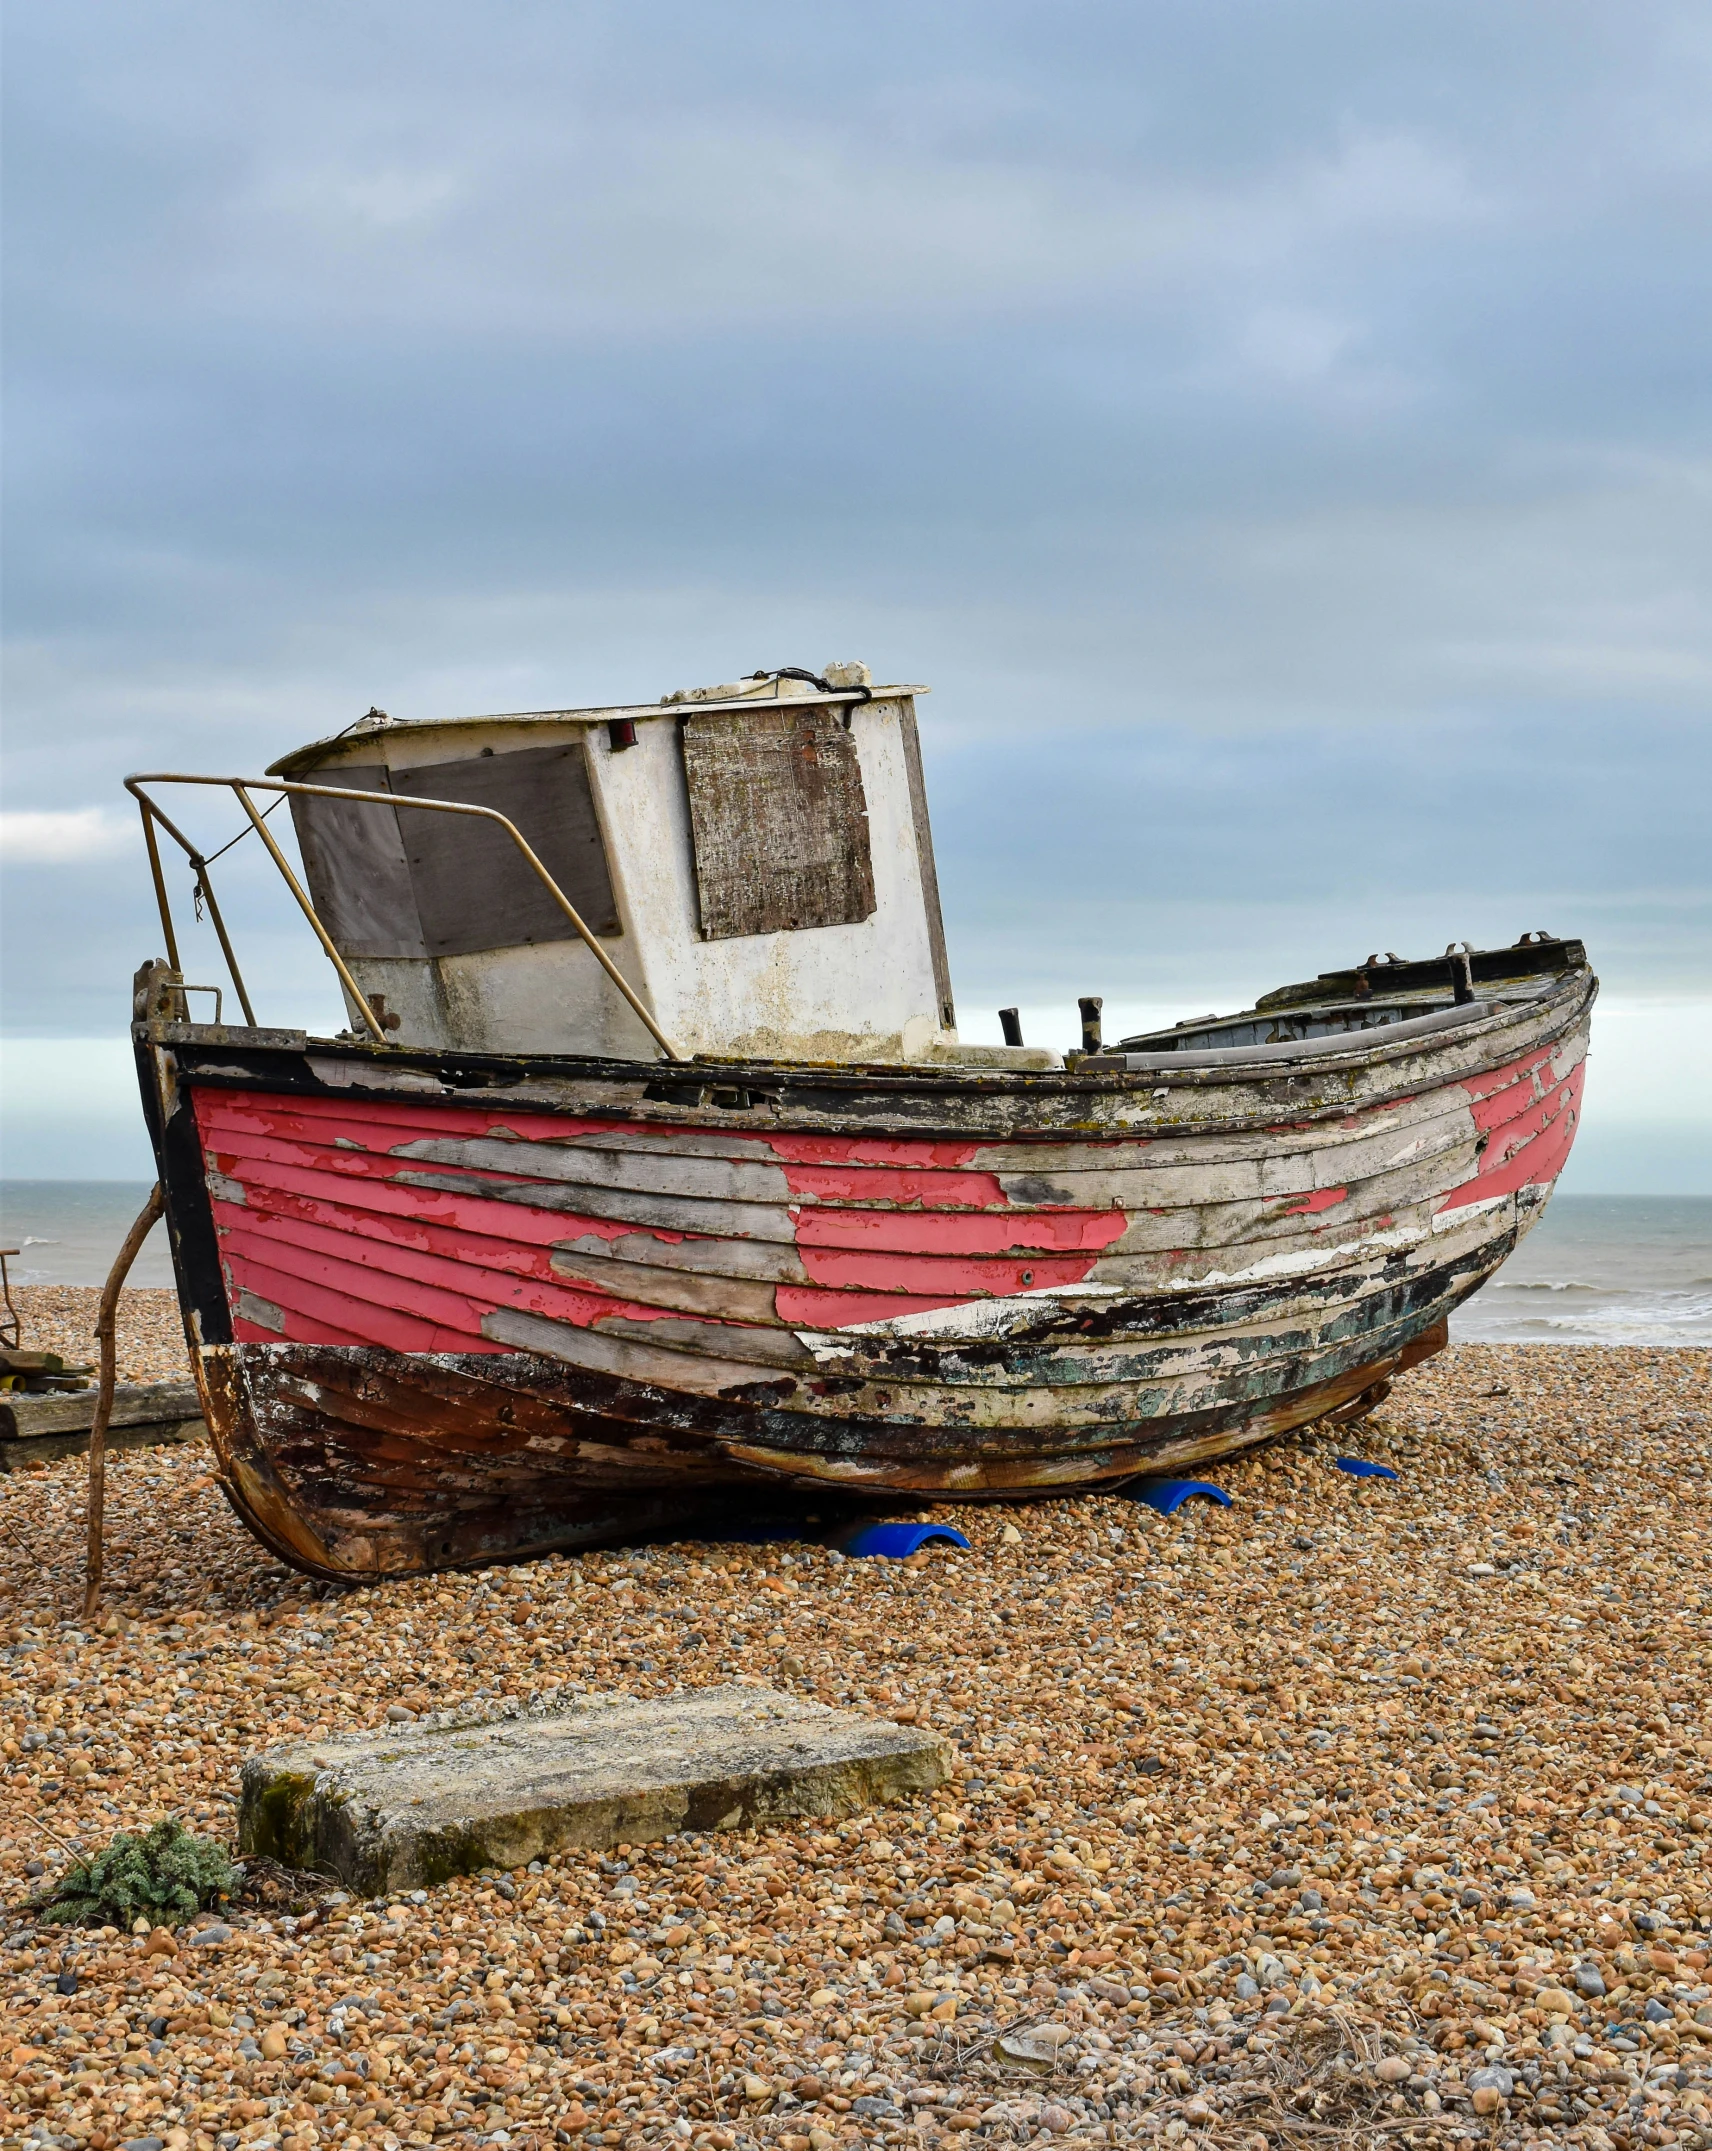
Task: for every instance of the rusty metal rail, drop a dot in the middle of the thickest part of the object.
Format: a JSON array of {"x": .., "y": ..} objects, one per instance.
[{"x": 242, "y": 787}]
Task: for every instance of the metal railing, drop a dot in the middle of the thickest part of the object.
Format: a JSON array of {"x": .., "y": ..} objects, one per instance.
[{"x": 242, "y": 787}]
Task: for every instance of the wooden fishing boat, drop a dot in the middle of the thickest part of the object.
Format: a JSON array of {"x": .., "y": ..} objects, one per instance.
[{"x": 499, "y": 1272}]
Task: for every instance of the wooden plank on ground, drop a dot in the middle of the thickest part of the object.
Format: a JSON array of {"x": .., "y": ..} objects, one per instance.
[
  {"x": 26, "y": 1452},
  {"x": 73, "y": 1411}
]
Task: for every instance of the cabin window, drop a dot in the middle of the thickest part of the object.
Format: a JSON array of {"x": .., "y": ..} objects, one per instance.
[
  {"x": 421, "y": 884},
  {"x": 358, "y": 874},
  {"x": 779, "y": 820}
]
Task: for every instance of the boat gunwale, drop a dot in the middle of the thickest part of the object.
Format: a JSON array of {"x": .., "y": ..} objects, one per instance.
[{"x": 1552, "y": 1015}]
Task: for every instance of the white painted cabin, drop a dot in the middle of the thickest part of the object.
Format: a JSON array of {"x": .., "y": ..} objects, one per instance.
[{"x": 756, "y": 860}]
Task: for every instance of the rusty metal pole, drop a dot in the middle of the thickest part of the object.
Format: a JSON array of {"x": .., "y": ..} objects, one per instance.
[{"x": 105, "y": 1323}]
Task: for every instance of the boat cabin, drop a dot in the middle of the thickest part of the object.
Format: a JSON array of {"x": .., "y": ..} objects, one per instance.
[{"x": 756, "y": 859}]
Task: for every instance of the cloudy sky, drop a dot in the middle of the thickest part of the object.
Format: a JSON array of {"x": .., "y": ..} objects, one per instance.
[{"x": 1279, "y": 432}]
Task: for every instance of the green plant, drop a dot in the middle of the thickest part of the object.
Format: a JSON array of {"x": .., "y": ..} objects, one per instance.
[{"x": 163, "y": 1876}]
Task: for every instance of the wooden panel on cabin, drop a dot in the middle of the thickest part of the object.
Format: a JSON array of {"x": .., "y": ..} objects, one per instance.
[
  {"x": 474, "y": 889},
  {"x": 358, "y": 874},
  {"x": 780, "y": 821}
]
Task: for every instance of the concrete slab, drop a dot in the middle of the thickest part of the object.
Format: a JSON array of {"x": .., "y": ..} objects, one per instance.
[{"x": 406, "y": 1807}]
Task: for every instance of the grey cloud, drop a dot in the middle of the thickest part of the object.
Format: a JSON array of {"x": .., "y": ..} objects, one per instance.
[{"x": 1279, "y": 435}]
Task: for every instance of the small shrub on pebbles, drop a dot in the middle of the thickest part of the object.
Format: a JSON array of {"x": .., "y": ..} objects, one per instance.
[
  {"x": 1361, "y": 1812},
  {"x": 160, "y": 1877}
]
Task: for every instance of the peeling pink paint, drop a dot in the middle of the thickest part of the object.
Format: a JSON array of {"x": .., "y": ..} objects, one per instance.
[{"x": 1312, "y": 1204}]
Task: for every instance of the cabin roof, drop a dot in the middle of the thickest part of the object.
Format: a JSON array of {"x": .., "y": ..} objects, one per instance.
[{"x": 696, "y": 702}]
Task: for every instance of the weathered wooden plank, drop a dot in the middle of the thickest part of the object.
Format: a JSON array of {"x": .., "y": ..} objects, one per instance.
[
  {"x": 377, "y": 1206},
  {"x": 406, "y": 1315},
  {"x": 470, "y": 1422},
  {"x": 1056, "y": 1155},
  {"x": 979, "y": 1340},
  {"x": 489, "y": 1268},
  {"x": 610, "y": 1352},
  {"x": 73, "y": 1411},
  {"x": 750, "y": 1344},
  {"x": 917, "y": 1416},
  {"x": 912, "y": 1173},
  {"x": 1122, "y": 1454},
  {"x": 732, "y": 1299},
  {"x": 1156, "y": 1186},
  {"x": 719, "y": 1179},
  {"x": 347, "y": 1120},
  {"x": 25, "y": 1452},
  {"x": 915, "y": 1172},
  {"x": 742, "y": 1260},
  {"x": 365, "y": 1122},
  {"x": 666, "y": 1213},
  {"x": 942, "y": 1279},
  {"x": 779, "y": 821},
  {"x": 926, "y": 1384},
  {"x": 1232, "y": 1240},
  {"x": 348, "y": 1189},
  {"x": 452, "y": 1288},
  {"x": 1530, "y": 1147}
]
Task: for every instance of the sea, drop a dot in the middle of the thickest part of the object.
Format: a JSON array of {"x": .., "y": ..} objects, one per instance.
[{"x": 1597, "y": 1269}]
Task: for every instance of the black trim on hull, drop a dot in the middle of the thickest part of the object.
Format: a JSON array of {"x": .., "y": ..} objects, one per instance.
[{"x": 189, "y": 1214}]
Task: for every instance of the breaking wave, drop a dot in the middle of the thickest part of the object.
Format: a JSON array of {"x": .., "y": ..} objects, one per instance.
[
  {"x": 1587, "y": 1314},
  {"x": 1603, "y": 1269},
  {"x": 1539, "y": 1284}
]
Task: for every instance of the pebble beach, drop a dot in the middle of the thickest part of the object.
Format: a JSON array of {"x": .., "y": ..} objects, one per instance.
[{"x": 1364, "y": 1811}]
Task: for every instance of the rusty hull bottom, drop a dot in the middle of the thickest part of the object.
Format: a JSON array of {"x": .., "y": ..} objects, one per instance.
[{"x": 355, "y": 1463}]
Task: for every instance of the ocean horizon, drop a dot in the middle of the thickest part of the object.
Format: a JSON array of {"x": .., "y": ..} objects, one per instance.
[{"x": 1596, "y": 1270}]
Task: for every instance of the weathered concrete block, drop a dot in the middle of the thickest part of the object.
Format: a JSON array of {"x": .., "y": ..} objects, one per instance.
[{"x": 408, "y": 1806}]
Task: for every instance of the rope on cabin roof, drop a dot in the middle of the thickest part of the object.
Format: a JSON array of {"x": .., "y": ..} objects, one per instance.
[{"x": 796, "y": 672}]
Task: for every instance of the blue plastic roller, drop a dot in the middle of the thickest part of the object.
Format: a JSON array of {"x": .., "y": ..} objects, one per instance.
[
  {"x": 1169, "y": 1495},
  {"x": 896, "y": 1542}
]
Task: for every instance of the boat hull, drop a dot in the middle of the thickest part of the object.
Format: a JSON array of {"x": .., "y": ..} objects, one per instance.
[
  {"x": 353, "y": 1462},
  {"x": 447, "y": 1311}
]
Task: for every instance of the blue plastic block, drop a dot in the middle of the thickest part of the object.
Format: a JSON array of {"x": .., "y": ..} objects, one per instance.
[
  {"x": 1169, "y": 1495},
  {"x": 1359, "y": 1468},
  {"x": 896, "y": 1542}
]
